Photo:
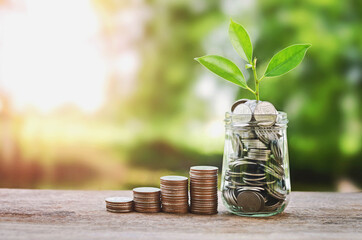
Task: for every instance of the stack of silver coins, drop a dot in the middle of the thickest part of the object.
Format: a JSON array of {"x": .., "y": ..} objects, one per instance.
[
  {"x": 174, "y": 194},
  {"x": 254, "y": 178},
  {"x": 203, "y": 190},
  {"x": 119, "y": 204},
  {"x": 147, "y": 199}
]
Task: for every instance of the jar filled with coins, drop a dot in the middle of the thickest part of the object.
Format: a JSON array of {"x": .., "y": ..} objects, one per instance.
[{"x": 255, "y": 175}]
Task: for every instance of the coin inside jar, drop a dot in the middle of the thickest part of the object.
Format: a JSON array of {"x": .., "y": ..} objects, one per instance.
[
  {"x": 249, "y": 201},
  {"x": 240, "y": 108},
  {"x": 265, "y": 113},
  {"x": 238, "y": 102}
]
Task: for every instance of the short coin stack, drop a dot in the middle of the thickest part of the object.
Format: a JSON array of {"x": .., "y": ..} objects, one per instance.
[
  {"x": 203, "y": 189},
  {"x": 174, "y": 194},
  {"x": 119, "y": 204},
  {"x": 147, "y": 199}
]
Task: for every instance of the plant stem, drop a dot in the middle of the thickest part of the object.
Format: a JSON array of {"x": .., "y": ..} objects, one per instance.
[
  {"x": 256, "y": 81},
  {"x": 251, "y": 90}
]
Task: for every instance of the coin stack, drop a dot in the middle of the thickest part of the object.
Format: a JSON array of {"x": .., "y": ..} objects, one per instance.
[
  {"x": 254, "y": 178},
  {"x": 174, "y": 194},
  {"x": 203, "y": 189},
  {"x": 147, "y": 199},
  {"x": 119, "y": 204}
]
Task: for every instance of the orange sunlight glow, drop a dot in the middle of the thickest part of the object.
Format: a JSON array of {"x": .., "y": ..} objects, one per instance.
[{"x": 50, "y": 55}]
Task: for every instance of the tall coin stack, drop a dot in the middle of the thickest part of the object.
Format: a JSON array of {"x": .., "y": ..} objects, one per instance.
[
  {"x": 147, "y": 199},
  {"x": 174, "y": 194},
  {"x": 203, "y": 189}
]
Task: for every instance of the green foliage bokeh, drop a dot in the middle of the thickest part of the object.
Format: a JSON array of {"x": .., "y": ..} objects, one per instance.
[{"x": 322, "y": 97}]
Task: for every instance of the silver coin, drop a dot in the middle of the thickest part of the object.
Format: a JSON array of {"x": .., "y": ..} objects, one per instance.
[
  {"x": 262, "y": 135},
  {"x": 262, "y": 200},
  {"x": 239, "y": 174},
  {"x": 230, "y": 196},
  {"x": 258, "y": 183},
  {"x": 267, "y": 134},
  {"x": 119, "y": 211},
  {"x": 272, "y": 204},
  {"x": 260, "y": 151},
  {"x": 250, "y": 134},
  {"x": 251, "y": 104},
  {"x": 244, "y": 113},
  {"x": 240, "y": 163},
  {"x": 174, "y": 178},
  {"x": 237, "y": 145},
  {"x": 238, "y": 102},
  {"x": 119, "y": 200},
  {"x": 272, "y": 208},
  {"x": 146, "y": 190},
  {"x": 254, "y": 143},
  {"x": 254, "y": 179},
  {"x": 265, "y": 113},
  {"x": 277, "y": 151},
  {"x": 231, "y": 186},
  {"x": 255, "y": 157},
  {"x": 276, "y": 194},
  {"x": 204, "y": 168},
  {"x": 237, "y": 183},
  {"x": 249, "y": 201},
  {"x": 276, "y": 168},
  {"x": 249, "y": 188}
]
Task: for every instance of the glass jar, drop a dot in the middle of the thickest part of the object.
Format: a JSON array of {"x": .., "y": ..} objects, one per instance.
[{"x": 255, "y": 176}]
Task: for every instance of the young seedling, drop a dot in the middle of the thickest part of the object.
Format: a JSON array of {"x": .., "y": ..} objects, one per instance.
[{"x": 281, "y": 63}]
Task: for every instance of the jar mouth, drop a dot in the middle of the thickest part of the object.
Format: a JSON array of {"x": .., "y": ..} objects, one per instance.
[{"x": 264, "y": 120}]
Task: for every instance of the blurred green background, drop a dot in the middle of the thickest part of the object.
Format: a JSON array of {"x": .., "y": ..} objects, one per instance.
[{"x": 106, "y": 94}]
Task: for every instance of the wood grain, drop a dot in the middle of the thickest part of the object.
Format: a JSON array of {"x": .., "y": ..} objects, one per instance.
[{"x": 54, "y": 214}]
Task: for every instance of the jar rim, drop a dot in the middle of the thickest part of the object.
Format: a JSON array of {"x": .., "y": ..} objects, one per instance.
[{"x": 237, "y": 119}]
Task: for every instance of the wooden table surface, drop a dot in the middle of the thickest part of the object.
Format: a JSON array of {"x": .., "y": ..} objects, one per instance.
[{"x": 54, "y": 214}]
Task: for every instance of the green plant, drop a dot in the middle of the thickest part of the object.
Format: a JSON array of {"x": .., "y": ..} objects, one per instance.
[{"x": 280, "y": 63}]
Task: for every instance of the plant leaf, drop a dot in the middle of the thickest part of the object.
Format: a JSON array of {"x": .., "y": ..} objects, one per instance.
[
  {"x": 224, "y": 68},
  {"x": 240, "y": 40},
  {"x": 286, "y": 60}
]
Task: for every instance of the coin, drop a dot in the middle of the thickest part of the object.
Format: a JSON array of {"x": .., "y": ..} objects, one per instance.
[
  {"x": 272, "y": 204},
  {"x": 119, "y": 204},
  {"x": 254, "y": 143},
  {"x": 174, "y": 194},
  {"x": 252, "y": 104},
  {"x": 204, "y": 169},
  {"x": 203, "y": 189},
  {"x": 118, "y": 211},
  {"x": 146, "y": 190},
  {"x": 116, "y": 200},
  {"x": 276, "y": 150},
  {"x": 243, "y": 110},
  {"x": 229, "y": 195},
  {"x": 249, "y": 201},
  {"x": 147, "y": 199},
  {"x": 265, "y": 113},
  {"x": 238, "y": 102}
]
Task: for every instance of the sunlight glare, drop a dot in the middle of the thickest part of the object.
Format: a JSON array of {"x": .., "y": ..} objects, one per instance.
[{"x": 50, "y": 55}]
